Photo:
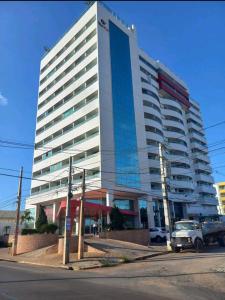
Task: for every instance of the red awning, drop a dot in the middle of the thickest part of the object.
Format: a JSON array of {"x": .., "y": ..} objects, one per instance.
[{"x": 91, "y": 209}]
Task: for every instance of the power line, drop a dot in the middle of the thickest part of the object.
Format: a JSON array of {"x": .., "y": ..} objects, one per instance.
[
  {"x": 13, "y": 170},
  {"x": 27, "y": 145},
  {"x": 29, "y": 178}
]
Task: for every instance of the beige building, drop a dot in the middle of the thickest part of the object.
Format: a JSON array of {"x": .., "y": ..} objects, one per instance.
[
  {"x": 220, "y": 193},
  {"x": 7, "y": 221}
]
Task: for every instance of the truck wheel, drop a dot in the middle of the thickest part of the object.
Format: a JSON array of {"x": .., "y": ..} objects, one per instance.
[
  {"x": 221, "y": 241},
  {"x": 198, "y": 245},
  {"x": 176, "y": 249},
  {"x": 158, "y": 239}
]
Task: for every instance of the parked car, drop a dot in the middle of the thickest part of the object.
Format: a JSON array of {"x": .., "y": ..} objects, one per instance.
[{"x": 158, "y": 234}]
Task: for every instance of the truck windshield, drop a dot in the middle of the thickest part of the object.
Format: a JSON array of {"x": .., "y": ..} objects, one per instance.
[{"x": 185, "y": 226}]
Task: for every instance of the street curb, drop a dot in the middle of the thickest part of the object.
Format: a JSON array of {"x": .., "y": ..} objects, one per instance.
[
  {"x": 151, "y": 255},
  {"x": 44, "y": 265},
  {"x": 37, "y": 264},
  {"x": 87, "y": 268},
  {"x": 120, "y": 263},
  {"x": 7, "y": 259}
]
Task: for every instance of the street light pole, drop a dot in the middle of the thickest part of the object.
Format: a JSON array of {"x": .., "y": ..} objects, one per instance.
[
  {"x": 67, "y": 229},
  {"x": 80, "y": 253},
  {"x": 166, "y": 204}
]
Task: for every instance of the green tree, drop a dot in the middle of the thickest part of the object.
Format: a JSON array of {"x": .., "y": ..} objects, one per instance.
[
  {"x": 144, "y": 217},
  {"x": 26, "y": 217},
  {"x": 42, "y": 218},
  {"x": 117, "y": 219}
]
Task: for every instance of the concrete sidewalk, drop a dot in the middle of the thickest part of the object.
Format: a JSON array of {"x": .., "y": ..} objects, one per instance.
[
  {"x": 113, "y": 252},
  {"x": 126, "y": 250}
]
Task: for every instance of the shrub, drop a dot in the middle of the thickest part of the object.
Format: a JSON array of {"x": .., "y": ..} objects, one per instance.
[
  {"x": 26, "y": 231},
  {"x": 51, "y": 228},
  {"x": 42, "y": 228},
  {"x": 48, "y": 228}
]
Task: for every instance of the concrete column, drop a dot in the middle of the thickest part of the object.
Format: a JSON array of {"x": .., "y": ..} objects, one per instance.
[
  {"x": 173, "y": 215},
  {"x": 37, "y": 210},
  {"x": 185, "y": 211},
  {"x": 150, "y": 212},
  {"x": 109, "y": 202},
  {"x": 76, "y": 220},
  {"x": 138, "y": 217},
  {"x": 54, "y": 212}
]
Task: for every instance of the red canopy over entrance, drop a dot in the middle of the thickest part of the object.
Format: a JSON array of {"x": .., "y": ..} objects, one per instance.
[{"x": 91, "y": 209}]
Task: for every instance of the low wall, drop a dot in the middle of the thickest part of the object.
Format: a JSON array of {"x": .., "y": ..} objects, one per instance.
[
  {"x": 74, "y": 246},
  {"x": 31, "y": 242},
  {"x": 137, "y": 236}
]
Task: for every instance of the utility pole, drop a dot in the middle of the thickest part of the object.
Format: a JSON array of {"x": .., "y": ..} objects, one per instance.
[
  {"x": 166, "y": 204},
  {"x": 80, "y": 253},
  {"x": 14, "y": 249},
  {"x": 67, "y": 230}
]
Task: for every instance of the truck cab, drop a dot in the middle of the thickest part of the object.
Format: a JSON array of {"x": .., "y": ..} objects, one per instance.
[{"x": 187, "y": 234}]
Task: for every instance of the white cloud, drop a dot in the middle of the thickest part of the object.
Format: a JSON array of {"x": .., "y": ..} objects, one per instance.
[{"x": 3, "y": 100}]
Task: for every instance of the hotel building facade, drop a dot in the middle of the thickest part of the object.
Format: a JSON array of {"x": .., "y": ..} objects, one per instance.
[{"x": 106, "y": 103}]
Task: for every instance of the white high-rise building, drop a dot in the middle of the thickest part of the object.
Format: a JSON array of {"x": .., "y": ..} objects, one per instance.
[{"x": 106, "y": 103}]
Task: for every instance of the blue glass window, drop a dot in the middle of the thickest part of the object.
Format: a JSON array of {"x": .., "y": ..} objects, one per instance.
[
  {"x": 126, "y": 156},
  {"x": 96, "y": 201},
  {"x": 124, "y": 204}
]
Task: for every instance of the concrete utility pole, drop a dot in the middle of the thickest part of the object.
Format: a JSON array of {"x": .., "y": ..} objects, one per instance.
[
  {"x": 166, "y": 204},
  {"x": 14, "y": 249},
  {"x": 80, "y": 253},
  {"x": 67, "y": 230}
]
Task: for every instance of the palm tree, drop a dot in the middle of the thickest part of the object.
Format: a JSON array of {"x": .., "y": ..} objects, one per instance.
[{"x": 26, "y": 217}]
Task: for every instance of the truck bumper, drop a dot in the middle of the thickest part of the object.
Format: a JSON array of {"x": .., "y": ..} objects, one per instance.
[{"x": 182, "y": 245}]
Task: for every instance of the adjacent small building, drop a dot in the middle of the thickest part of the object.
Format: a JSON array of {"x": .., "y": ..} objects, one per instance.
[
  {"x": 7, "y": 222},
  {"x": 220, "y": 194}
]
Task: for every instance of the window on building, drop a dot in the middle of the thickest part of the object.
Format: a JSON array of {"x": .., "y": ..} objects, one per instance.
[
  {"x": 155, "y": 171},
  {"x": 175, "y": 129},
  {"x": 152, "y": 117},
  {"x": 156, "y": 186},
  {"x": 152, "y": 105},
  {"x": 173, "y": 108},
  {"x": 153, "y": 129}
]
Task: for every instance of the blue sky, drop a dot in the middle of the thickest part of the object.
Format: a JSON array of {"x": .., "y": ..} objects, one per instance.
[{"x": 188, "y": 37}]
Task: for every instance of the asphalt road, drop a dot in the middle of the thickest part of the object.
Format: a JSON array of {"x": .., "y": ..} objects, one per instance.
[{"x": 173, "y": 276}]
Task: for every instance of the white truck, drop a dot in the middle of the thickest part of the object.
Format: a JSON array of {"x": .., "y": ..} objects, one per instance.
[{"x": 190, "y": 234}]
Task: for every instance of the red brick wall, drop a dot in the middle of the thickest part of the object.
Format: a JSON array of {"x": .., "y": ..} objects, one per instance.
[
  {"x": 30, "y": 242},
  {"x": 137, "y": 236}
]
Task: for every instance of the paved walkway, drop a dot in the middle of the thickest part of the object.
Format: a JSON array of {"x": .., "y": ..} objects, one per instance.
[
  {"x": 113, "y": 253},
  {"x": 121, "y": 249}
]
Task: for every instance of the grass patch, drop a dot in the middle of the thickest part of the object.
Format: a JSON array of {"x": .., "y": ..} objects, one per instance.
[
  {"x": 126, "y": 260},
  {"x": 107, "y": 263}
]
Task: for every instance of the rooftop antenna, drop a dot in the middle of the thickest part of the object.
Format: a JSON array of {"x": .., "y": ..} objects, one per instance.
[
  {"x": 89, "y": 3},
  {"x": 46, "y": 49}
]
